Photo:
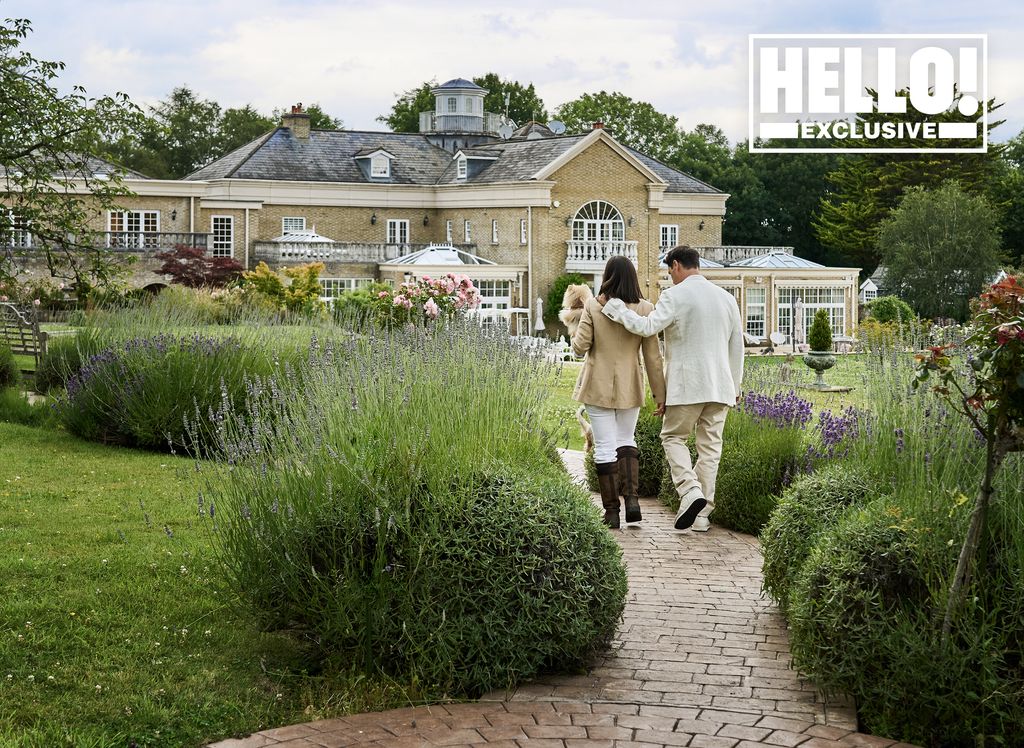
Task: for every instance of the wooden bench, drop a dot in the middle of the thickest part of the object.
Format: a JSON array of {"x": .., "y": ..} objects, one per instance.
[{"x": 19, "y": 329}]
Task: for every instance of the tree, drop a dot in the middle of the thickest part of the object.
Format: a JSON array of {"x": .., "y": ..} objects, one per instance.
[
  {"x": 865, "y": 187},
  {"x": 1007, "y": 195},
  {"x": 187, "y": 132},
  {"x": 192, "y": 267},
  {"x": 318, "y": 118},
  {"x": 886, "y": 309},
  {"x": 940, "y": 248},
  {"x": 405, "y": 112},
  {"x": 524, "y": 104},
  {"x": 49, "y": 177},
  {"x": 240, "y": 126},
  {"x": 636, "y": 124}
]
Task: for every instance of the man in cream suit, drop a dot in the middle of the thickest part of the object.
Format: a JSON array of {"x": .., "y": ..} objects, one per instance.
[{"x": 703, "y": 370}]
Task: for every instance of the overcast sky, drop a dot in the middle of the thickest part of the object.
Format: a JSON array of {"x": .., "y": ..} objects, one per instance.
[{"x": 687, "y": 58}]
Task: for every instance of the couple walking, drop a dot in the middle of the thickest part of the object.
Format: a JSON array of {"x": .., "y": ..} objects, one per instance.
[{"x": 693, "y": 388}]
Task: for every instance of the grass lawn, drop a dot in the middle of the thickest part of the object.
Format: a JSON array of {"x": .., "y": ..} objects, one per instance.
[{"x": 114, "y": 625}]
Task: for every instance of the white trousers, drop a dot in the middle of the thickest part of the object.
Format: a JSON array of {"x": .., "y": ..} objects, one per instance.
[{"x": 613, "y": 428}]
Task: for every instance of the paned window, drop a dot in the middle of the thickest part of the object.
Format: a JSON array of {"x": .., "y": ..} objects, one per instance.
[
  {"x": 292, "y": 224},
  {"x": 832, "y": 300},
  {"x": 223, "y": 230},
  {"x": 453, "y": 105},
  {"x": 669, "y": 236},
  {"x": 460, "y": 168},
  {"x": 398, "y": 231},
  {"x": 19, "y": 235},
  {"x": 380, "y": 166},
  {"x": 134, "y": 228},
  {"x": 494, "y": 231},
  {"x": 495, "y": 294},
  {"x": 468, "y": 231},
  {"x": 332, "y": 288},
  {"x": 448, "y": 231},
  {"x": 522, "y": 231},
  {"x": 598, "y": 221},
  {"x": 755, "y": 311}
]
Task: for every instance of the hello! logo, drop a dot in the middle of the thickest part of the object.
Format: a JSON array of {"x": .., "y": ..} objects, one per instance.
[{"x": 877, "y": 93}]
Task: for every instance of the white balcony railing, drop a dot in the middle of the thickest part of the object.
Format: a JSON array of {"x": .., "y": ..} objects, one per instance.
[
  {"x": 592, "y": 256},
  {"x": 734, "y": 253},
  {"x": 332, "y": 252}
]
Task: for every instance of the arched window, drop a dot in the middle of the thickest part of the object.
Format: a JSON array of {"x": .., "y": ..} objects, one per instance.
[{"x": 598, "y": 221}]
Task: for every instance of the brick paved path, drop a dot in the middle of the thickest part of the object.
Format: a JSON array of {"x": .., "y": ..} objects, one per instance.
[{"x": 701, "y": 659}]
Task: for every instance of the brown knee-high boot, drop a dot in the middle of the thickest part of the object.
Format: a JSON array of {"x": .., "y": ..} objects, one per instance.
[
  {"x": 629, "y": 480},
  {"x": 607, "y": 482}
]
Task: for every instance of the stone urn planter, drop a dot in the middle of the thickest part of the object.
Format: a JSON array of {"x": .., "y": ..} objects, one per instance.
[
  {"x": 820, "y": 356},
  {"x": 820, "y": 361}
]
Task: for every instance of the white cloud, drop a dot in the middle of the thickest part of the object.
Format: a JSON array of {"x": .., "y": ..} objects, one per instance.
[{"x": 688, "y": 59}]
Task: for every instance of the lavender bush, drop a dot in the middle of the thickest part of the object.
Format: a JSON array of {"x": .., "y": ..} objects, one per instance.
[{"x": 399, "y": 510}]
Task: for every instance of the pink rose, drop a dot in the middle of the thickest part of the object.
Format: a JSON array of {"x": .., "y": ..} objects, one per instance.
[
  {"x": 431, "y": 309},
  {"x": 3, "y": 298},
  {"x": 399, "y": 300},
  {"x": 36, "y": 302},
  {"x": 383, "y": 295}
]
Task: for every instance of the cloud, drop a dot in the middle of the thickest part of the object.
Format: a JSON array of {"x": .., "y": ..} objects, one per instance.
[{"x": 689, "y": 60}]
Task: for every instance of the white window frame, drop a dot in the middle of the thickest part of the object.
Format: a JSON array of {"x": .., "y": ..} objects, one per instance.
[
  {"x": 398, "y": 231},
  {"x": 19, "y": 235},
  {"x": 332, "y": 288},
  {"x": 453, "y": 105},
  {"x": 494, "y": 231},
  {"x": 221, "y": 247},
  {"x": 134, "y": 228},
  {"x": 380, "y": 167},
  {"x": 495, "y": 293},
  {"x": 297, "y": 223},
  {"x": 812, "y": 298},
  {"x": 522, "y": 231},
  {"x": 755, "y": 322},
  {"x": 448, "y": 231},
  {"x": 669, "y": 236},
  {"x": 461, "y": 169},
  {"x": 468, "y": 231}
]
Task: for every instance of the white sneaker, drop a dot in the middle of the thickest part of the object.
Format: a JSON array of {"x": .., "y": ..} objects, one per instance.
[
  {"x": 701, "y": 524},
  {"x": 689, "y": 507}
]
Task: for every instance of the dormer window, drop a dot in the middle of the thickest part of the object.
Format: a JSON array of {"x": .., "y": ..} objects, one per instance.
[
  {"x": 380, "y": 166},
  {"x": 460, "y": 167}
]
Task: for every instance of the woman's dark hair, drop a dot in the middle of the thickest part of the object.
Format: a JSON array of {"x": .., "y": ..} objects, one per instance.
[{"x": 620, "y": 280}]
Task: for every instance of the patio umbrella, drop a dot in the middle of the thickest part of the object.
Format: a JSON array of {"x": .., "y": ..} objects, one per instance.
[
  {"x": 798, "y": 323},
  {"x": 538, "y": 324}
]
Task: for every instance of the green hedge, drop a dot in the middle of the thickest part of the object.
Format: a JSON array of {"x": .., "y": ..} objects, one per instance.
[
  {"x": 10, "y": 373},
  {"x": 813, "y": 504}
]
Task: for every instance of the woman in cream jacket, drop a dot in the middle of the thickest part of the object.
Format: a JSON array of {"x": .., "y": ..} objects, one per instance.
[{"x": 611, "y": 386}]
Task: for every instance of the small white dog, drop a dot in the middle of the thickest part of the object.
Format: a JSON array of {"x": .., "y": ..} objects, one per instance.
[{"x": 576, "y": 296}]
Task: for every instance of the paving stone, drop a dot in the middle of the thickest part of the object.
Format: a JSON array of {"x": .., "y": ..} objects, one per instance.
[
  {"x": 712, "y": 741},
  {"x": 785, "y": 738},
  {"x": 744, "y": 732}
]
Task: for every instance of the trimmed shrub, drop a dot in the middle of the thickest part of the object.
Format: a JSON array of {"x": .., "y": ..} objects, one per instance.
[
  {"x": 891, "y": 309},
  {"x": 819, "y": 337},
  {"x": 147, "y": 392},
  {"x": 813, "y": 504},
  {"x": 64, "y": 357},
  {"x": 652, "y": 455},
  {"x": 404, "y": 531},
  {"x": 554, "y": 300},
  {"x": 10, "y": 373},
  {"x": 862, "y": 622}
]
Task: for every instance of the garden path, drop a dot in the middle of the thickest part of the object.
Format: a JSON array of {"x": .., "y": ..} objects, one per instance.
[{"x": 701, "y": 659}]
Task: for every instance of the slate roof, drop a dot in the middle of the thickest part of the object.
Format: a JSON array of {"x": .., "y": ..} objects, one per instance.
[
  {"x": 93, "y": 166},
  {"x": 460, "y": 83},
  {"x": 330, "y": 156}
]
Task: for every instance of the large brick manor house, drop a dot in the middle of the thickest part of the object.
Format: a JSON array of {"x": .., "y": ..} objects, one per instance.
[{"x": 518, "y": 208}]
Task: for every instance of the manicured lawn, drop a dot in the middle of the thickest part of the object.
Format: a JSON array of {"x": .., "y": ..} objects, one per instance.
[{"x": 114, "y": 625}]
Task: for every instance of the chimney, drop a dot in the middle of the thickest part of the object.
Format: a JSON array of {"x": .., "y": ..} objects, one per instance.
[
  {"x": 599, "y": 125},
  {"x": 297, "y": 122}
]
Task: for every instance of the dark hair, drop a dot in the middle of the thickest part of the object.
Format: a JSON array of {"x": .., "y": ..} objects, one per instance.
[
  {"x": 686, "y": 256},
  {"x": 620, "y": 280}
]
